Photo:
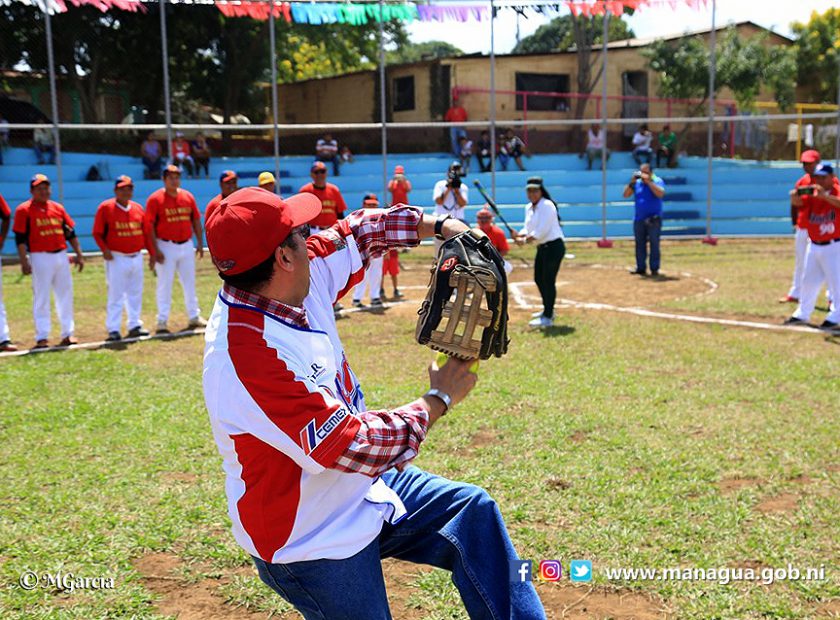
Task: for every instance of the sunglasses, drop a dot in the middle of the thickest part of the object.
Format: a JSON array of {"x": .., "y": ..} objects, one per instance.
[
  {"x": 303, "y": 230},
  {"x": 319, "y": 172}
]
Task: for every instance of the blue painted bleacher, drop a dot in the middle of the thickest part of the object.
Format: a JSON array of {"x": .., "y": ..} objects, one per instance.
[{"x": 748, "y": 198}]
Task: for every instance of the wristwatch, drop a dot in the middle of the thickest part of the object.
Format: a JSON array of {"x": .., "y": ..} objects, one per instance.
[
  {"x": 445, "y": 398},
  {"x": 439, "y": 226}
]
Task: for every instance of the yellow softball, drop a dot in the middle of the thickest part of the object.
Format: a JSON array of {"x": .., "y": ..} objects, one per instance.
[{"x": 442, "y": 358}]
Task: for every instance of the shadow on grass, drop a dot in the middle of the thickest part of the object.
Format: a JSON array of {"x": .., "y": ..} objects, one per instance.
[
  {"x": 558, "y": 330},
  {"x": 664, "y": 278}
]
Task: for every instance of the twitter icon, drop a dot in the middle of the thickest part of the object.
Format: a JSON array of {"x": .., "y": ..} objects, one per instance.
[{"x": 580, "y": 570}]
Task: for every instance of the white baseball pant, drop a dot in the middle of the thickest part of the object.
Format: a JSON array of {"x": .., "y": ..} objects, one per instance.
[
  {"x": 822, "y": 264},
  {"x": 4, "y": 324},
  {"x": 178, "y": 257},
  {"x": 800, "y": 244},
  {"x": 51, "y": 273},
  {"x": 124, "y": 274},
  {"x": 373, "y": 278}
]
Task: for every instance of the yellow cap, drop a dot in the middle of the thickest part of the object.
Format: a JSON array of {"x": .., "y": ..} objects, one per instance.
[{"x": 265, "y": 178}]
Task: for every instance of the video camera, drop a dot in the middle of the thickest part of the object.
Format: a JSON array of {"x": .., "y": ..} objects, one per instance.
[{"x": 453, "y": 177}]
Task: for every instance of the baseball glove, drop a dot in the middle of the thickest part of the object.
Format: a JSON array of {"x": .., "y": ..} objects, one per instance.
[{"x": 467, "y": 294}]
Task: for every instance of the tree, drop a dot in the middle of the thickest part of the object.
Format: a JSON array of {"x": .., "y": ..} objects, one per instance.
[
  {"x": 818, "y": 54},
  {"x": 558, "y": 35},
  {"x": 414, "y": 52},
  {"x": 743, "y": 66}
]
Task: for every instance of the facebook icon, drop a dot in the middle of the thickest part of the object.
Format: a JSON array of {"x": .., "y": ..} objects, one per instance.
[{"x": 520, "y": 571}]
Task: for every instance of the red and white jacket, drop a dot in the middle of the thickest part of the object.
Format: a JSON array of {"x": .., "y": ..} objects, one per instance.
[{"x": 286, "y": 409}]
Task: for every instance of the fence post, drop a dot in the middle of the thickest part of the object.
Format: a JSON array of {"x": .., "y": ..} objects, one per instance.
[
  {"x": 382, "y": 105},
  {"x": 708, "y": 239},
  {"x": 492, "y": 100},
  {"x": 165, "y": 56},
  {"x": 272, "y": 37},
  {"x": 603, "y": 242},
  {"x": 54, "y": 106},
  {"x": 837, "y": 132},
  {"x": 525, "y": 116}
]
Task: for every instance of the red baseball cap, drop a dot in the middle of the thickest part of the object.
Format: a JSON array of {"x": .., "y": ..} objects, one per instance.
[
  {"x": 171, "y": 169},
  {"x": 123, "y": 181},
  {"x": 37, "y": 179},
  {"x": 248, "y": 225},
  {"x": 227, "y": 175},
  {"x": 810, "y": 157},
  {"x": 370, "y": 200},
  {"x": 399, "y": 170}
]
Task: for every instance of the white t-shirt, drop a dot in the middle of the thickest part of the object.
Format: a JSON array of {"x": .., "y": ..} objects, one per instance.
[
  {"x": 541, "y": 222},
  {"x": 641, "y": 141},
  {"x": 593, "y": 141},
  {"x": 450, "y": 206}
]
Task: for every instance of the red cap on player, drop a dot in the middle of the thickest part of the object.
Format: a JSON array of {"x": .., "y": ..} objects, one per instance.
[
  {"x": 37, "y": 179},
  {"x": 810, "y": 157},
  {"x": 399, "y": 170},
  {"x": 248, "y": 225},
  {"x": 123, "y": 181}
]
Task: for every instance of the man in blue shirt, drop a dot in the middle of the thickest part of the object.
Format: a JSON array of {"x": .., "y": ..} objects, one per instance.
[{"x": 647, "y": 190}]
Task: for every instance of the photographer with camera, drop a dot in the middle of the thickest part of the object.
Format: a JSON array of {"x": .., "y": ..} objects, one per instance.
[
  {"x": 647, "y": 190},
  {"x": 451, "y": 194}
]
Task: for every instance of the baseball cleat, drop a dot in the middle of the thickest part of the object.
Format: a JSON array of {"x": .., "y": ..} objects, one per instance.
[
  {"x": 196, "y": 321},
  {"x": 162, "y": 328},
  {"x": 357, "y": 303},
  {"x": 541, "y": 321},
  {"x": 638, "y": 272},
  {"x": 113, "y": 337},
  {"x": 830, "y": 325},
  {"x": 7, "y": 347},
  {"x": 68, "y": 341},
  {"x": 794, "y": 321},
  {"x": 376, "y": 303},
  {"x": 397, "y": 294},
  {"x": 41, "y": 344},
  {"x": 138, "y": 332}
]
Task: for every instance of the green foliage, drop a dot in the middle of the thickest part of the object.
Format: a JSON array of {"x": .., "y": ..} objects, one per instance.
[
  {"x": 818, "y": 54},
  {"x": 743, "y": 66},
  {"x": 414, "y": 52},
  {"x": 559, "y": 34}
]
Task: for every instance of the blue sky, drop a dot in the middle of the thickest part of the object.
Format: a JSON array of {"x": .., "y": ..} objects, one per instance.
[{"x": 662, "y": 20}]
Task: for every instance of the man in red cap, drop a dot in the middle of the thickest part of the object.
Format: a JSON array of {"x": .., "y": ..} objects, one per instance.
[
  {"x": 228, "y": 183},
  {"x": 43, "y": 228},
  {"x": 320, "y": 487},
  {"x": 333, "y": 205},
  {"x": 810, "y": 159},
  {"x": 496, "y": 234},
  {"x": 119, "y": 232},
  {"x": 400, "y": 188},
  {"x": 172, "y": 218},
  {"x": 5, "y": 336}
]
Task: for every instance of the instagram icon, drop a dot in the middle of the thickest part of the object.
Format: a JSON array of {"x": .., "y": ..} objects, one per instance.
[{"x": 550, "y": 570}]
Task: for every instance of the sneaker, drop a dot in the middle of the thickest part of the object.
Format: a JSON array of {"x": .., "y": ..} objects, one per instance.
[
  {"x": 829, "y": 325},
  {"x": 162, "y": 328},
  {"x": 138, "y": 332},
  {"x": 787, "y": 299},
  {"x": 397, "y": 294},
  {"x": 376, "y": 303},
  {"x": 337, "y": 307},
  {"x": 69, "y": 341},
  {"x": 541, "y": 321},
  {"x": 7, "y": 347},
  {"x": 638, "y": 272},
  {"x": 792, "y": 320},
  {"x": 357, "y": 303},
  {"x": 196, "y": 321},
  {"x": 41, "y": 344},
  {"x": 382, "y": 293},
  {"x": 113, "y": 337},
  {"x": 654, "y": 274}
]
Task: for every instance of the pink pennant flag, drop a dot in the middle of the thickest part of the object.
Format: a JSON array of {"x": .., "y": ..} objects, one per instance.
[
  {"x": 584, "y": 9},
  {"x": 597, "y": 8},
  {"x": 573, "y": 8}
]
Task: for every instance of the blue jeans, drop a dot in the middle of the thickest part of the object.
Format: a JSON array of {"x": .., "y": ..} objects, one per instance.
[
  {"x": 648, "y": 230},
  {"x": 451, "y": 525},
  {"x": 455, "y": 134}
]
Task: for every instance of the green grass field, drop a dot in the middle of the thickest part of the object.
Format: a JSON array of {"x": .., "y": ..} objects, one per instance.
[{"x": 633, "y": 442}]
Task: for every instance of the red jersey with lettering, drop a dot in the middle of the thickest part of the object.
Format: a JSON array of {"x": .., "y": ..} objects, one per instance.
[
  {"x": 821, "y": 217},
  {"x": 399, "y": 191},
  {"x": 215, "y": 201},
  {"x": 497, "y": 237},
  {"x": 118, "y": 228},
  {"x": 43, "y": 223},
  {"x": 332, "y": 204},
  {"x": 807, "y": 179},
  {"x": 170, "y": 217},
  {"x": 5, "y": 212}
]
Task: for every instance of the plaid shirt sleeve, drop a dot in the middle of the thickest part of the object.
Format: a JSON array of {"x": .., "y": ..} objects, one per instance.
[
  {"x": 385, "y": 439},
  {"x": 378, "y": 230}
]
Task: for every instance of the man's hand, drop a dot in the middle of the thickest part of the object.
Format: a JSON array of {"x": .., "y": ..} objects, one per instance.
[
  {"x": 200, "y": 251},
  {"x": 520, "y": 239},
  {"x": 106, "y": 254},
  {"x": 25, "y": 267},
  {"x": 646, "y": 177},
  {"x": 79, "y": 261},
  {"x": 454, "y": 378}
]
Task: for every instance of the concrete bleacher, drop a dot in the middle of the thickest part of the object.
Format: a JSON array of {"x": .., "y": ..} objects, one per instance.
[{"x": 748, "y": 198}]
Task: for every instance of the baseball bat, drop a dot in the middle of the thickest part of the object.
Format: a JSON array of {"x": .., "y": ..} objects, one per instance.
[{"x": 495, "y": 208}]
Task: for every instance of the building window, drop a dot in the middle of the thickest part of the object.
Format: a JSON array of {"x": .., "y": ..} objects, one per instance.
[
  {"x": 542, "y": 83},
  {"x": 404, "y": 93}
]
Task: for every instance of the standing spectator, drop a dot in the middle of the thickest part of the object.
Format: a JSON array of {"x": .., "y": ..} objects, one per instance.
[
  {"x": 5, "y": 337},
  {"x": 512, "y": 147},
  {"x": 4, "y": 136},
  {"x": 373, "y": 273},
  {"x": 333, "y": 206},
  {"x": 267, "y": 181},
  {"x": 172, "y": 218},
  {"x": 596, "y": 142},
  {"x": 228, "y": 183},
  {"x": 647, "y": 190},
  {"x": 119, "y": 232},
  {"x": 43, "y": 142},
  {"x": 641, "y": 145},
  {"x": 43, "y": 228},
  {"x": 400, "y": 187},
  {"x": 466, "y": 153},
  {"x": 201, "y": 155},
  {"x": 484, "y": 153},
  {"x": 456, "y": 114},
  {"x": 182, "y": 154},
  {"x": 326, "y": 150},
  {"x": 543, "y": 228},
  {"x": 150, "y": 152},
  {"x": 451, "y": 194},
  {"x": 667, "y": 148}
]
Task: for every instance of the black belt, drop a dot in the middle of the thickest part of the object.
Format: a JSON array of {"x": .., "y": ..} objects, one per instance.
[
  {"x": 175, "y": 242},
  {"x": 55, "y": 251},
  {"x": 826, "y": 242},
  {"x": 547, "y": 243}
]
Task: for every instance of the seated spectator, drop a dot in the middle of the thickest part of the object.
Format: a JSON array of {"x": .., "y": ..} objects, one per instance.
[
  {"x": 4, "y": 136},
  {"x": 512, "y": 147},
  {"x": 642, "y": 151},
  {"x": 151, "y": 154},
  {"x": 596, "y": 142},
  {"x": 326, "y": 150},
  {"x": 667, "y": 147},
  {"x": 465, "y": 154},
  {"x": 483, "y": 154},
  {"x": 182, "y": 154},
  {"x": 43, "y": 142},
  {"x": 267, "y": 181},
  {"x": 201, "y": 155},
  {"x": 346, "y": 155}
]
